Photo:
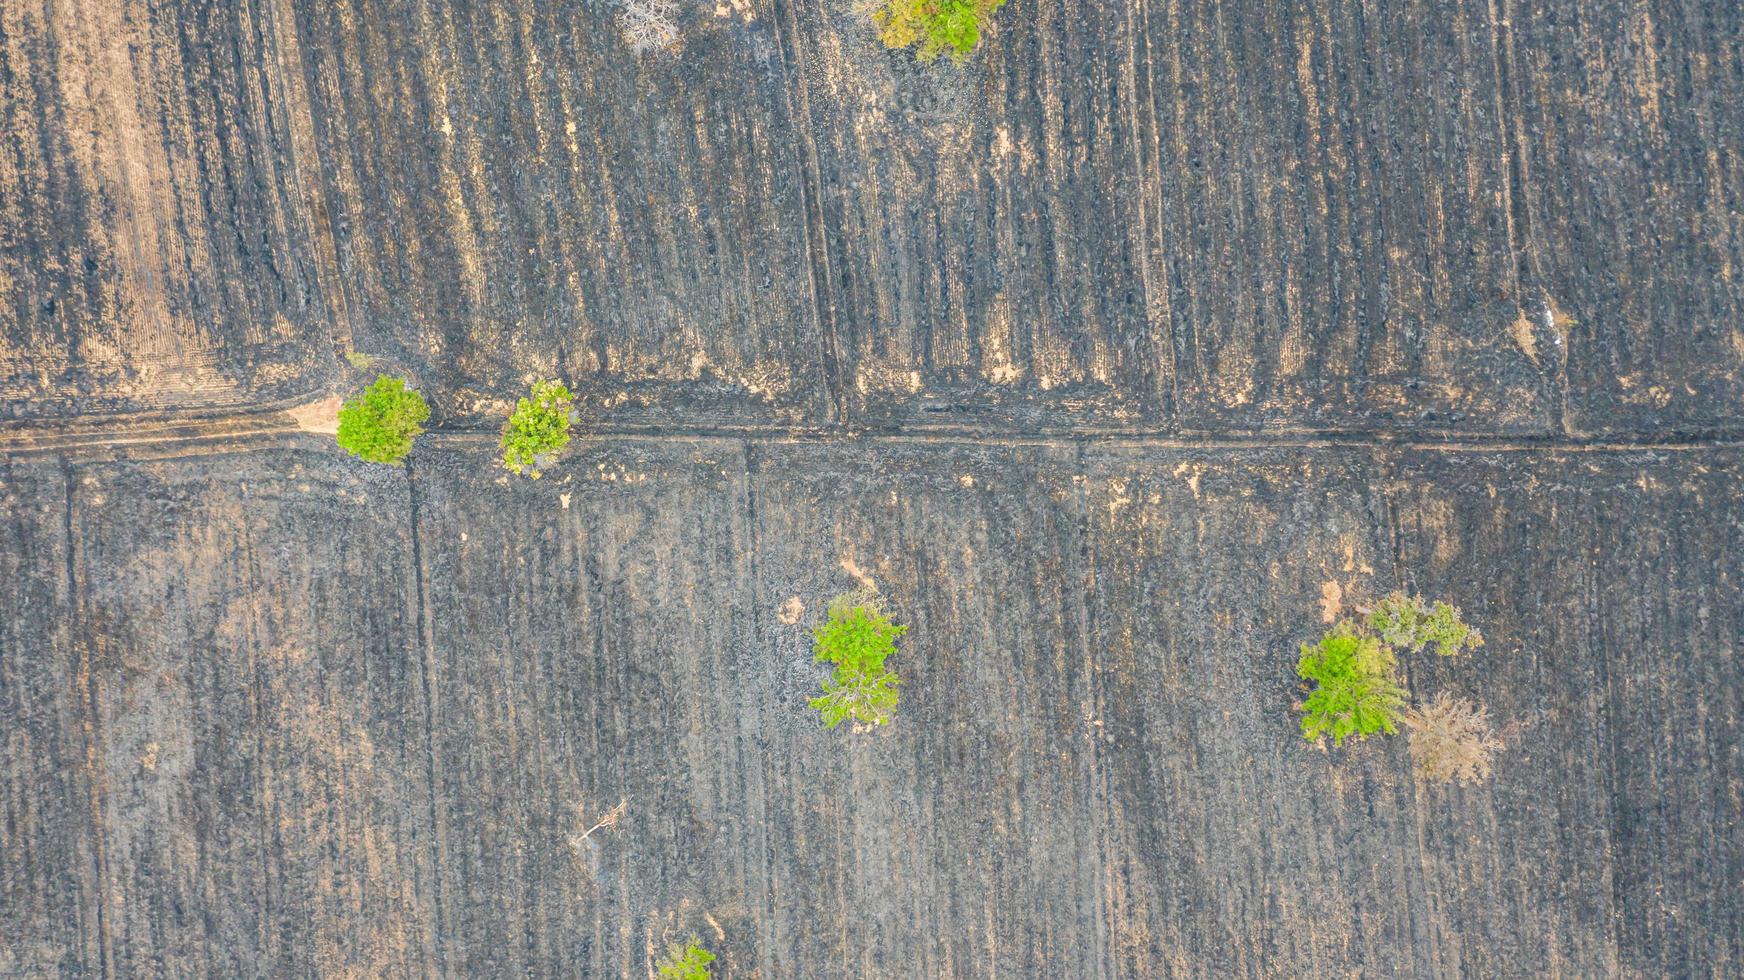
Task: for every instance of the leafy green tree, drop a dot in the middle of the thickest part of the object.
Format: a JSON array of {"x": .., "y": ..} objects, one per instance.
[
  {"x": 688, "y": 962},
  {"x": 857, "y": 637},
  {"x": 380, "y": 424},
  {"x": 1408, "y": 623},
  {"x": 538, "y": 428},
  {"x": 933, "y": 27},
  {"x": 1356, "y": 693}
]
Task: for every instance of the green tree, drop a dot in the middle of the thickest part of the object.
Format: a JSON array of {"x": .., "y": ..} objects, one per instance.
[
  {"x": 688, "y": 962},
  {"x": 380, "y": 424},
  {"x": 1410, "y": 624},
  {"x": 538, "y": 428},
  {"x": 933, "y": 27},
  {"x": 857, "y": 638},
  {"x": 1356, "y": 693}
]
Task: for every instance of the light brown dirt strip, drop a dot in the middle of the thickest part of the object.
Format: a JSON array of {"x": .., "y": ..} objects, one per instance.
[{"x": 312, "y": 424}]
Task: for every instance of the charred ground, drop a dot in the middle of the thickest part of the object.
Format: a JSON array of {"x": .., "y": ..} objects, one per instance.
[{"x": 1118, "y": 357}]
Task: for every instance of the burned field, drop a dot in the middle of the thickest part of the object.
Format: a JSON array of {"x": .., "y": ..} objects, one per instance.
[
  {"x": 1124, "y": 359},
  {"x": 331, "y": 720}
]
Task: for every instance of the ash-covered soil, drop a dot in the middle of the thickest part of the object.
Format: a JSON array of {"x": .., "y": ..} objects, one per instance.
[{"x": 1122, "y": 358}]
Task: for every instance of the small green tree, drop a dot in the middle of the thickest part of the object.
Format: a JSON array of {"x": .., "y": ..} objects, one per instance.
[
  {"x": 538, "y": 428},
  {"x": 857, "y": 637},
  {"x": 933, "y": 27},
  {"x": 1409, "y": 623},
  {"x": 688, "y": 962},
  {"x": 380, "y": 424},
  {"x": 1356, "y": 693}
]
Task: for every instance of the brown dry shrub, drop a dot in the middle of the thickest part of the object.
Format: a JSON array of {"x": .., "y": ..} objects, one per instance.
[
  {"x": 1451, "y": 739},
  {"x": 649, "y": 25}
]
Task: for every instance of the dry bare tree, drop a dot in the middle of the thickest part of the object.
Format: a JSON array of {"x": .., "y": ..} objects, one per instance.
[
  {"x": 649, "y": 25},
  {"x": 609, "y": 819},
  {"x": 1451, "y": 739},
  {"x": 859, "y": 596}
]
